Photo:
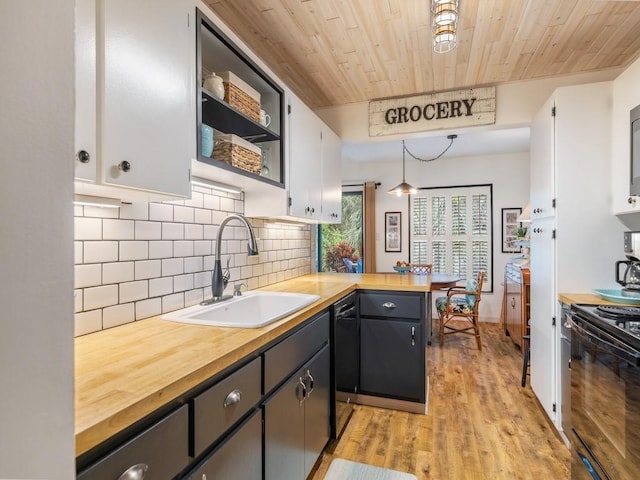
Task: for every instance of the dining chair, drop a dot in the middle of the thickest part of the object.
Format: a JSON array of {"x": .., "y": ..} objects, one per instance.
[{"x": 461, "y": 303}]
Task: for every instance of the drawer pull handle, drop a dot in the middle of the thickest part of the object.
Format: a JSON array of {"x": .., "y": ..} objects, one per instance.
[
  {"x": 135, "y": 472},
  {"x": 233, "y": 398},
  {"x": 311, "y": 382},
  {"x": 413, "y": 336},
  {"x": 513, "y": 303},
  {"x": 389, "y": 305}
]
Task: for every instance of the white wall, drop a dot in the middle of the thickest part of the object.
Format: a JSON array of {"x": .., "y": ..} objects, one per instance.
[
  {"x": 36, "y": 147},
  {"x": 509, "y": 174}
]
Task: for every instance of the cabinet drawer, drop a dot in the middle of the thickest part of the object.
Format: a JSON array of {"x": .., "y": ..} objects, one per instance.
[
  {"x": 240, "y": 391},
  {"x": 391, "y": 304},
  {"x": 239, "y": 456},
  {"x": 163, "y": 448},
  {"x": 290, "y": 353}
]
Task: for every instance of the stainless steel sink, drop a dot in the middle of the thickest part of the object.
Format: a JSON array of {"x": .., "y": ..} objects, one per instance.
[{"x": 250, "y": 310}]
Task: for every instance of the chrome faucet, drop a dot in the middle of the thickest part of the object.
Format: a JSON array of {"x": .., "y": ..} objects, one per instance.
[{"x": 219, "y": 279}]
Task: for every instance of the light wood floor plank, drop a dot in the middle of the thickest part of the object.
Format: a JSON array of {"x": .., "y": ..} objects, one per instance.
[{"x": 481, "y": 424}]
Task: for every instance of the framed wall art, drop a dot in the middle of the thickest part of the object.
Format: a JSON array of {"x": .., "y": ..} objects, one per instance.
[
  {"x": 509, "y": 227},
  {"x": 392, "y": 232}
]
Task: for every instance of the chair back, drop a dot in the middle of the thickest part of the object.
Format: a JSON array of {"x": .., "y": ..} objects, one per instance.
[{"x": 474, "y": 285}]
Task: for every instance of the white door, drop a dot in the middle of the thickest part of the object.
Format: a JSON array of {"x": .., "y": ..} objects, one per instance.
[
  {"x": 543, "y": 306},
  {"x": 543, "y": 161},
  {"x": 331, "y": 177}
]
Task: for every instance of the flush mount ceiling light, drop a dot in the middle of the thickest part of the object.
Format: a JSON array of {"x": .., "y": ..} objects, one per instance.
[
  {"x": 403, "y": 188},
  {"x": 444, "y": 24}
]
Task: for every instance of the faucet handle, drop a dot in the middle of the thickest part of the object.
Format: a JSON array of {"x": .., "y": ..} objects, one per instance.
[{"x": 237, "y": 288}]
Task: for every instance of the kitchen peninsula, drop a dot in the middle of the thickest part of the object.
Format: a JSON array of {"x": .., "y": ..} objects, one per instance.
[{"x": 127, "y": 373}]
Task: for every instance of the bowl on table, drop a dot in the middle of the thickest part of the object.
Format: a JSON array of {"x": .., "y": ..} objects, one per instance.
[{"x": 402, "y": 269}]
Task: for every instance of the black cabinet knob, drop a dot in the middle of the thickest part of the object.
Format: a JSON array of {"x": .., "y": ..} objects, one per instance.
[
  {"x": 124, "y": 166},
  {"x": 83, "y": 156},
  {"x": 631, "y": 200}
]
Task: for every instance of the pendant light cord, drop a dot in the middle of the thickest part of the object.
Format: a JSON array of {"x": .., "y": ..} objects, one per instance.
[{"x": 405, "y": 149}]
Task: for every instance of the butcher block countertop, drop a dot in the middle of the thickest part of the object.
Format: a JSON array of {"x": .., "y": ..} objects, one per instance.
[
  {"x": 584, "y": 298},
  {"x": 125, "y": 373}
]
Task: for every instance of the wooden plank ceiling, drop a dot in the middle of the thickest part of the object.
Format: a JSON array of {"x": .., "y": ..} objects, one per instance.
[{"x": 335, "y": 52}]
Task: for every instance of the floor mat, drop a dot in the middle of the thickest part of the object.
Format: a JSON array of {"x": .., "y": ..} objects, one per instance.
[{"x": 347, "y": 470}]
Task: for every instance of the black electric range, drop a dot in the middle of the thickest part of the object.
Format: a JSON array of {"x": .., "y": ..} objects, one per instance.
[{"x": 621, "y": 322}]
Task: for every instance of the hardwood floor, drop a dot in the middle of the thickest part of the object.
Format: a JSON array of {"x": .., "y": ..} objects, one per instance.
[{"x": 481, "y": 424}]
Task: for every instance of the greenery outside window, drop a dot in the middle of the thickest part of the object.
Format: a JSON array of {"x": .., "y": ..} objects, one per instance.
[
  {"x": 452, "y": 229},
  {"x": 340, "y": 246}
]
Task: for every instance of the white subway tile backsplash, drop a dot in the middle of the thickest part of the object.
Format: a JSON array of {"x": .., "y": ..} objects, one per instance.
[
  {"x": 193, "y": 232},
  {"x": 156, "y": 257},
  {"x": 98, "y": 297},
  {"x": 183, "y": 249},
  {"x": 161, "y": 212},
  {"x": 193, "y": 264},
  {"x": 87, "y": 275},
  {"x": 148, "y": 308},
  {"x": 145, "y": 269},
  {"x": 77, "y": 252},
  {"x": 100, "y": 212},
  {"x": 87, "y": 322},
  {"x": 118, "y": 315},
  {"x": 117, "y": 272},
  {"x": 132, "y": 291},
  {"x": 172, "y": 266},
  {"x": 117, "y": 229},
  {"x": 211, "y": 202},
  {"x": 172, "y": 302},
  {"x": 202, "y": 247},
  {"x": 134, "y": 211},
  {"x": 160, "y": 286},
  {"x": 202, "y": 216},
  {"x": 134, "y": 250},
  {"x": 172, "y": 231},
  {"x": 183, "y": 214},
  {"x": 87, "y": 228},
  {"x": 193, "y": 297},
  {"x": 202, "y": 279},
  {"x": 182, "y": 283},
  {"x": 161, "y": 249},
  {"x": 227, "y": 205},
  {"x": 77, "y": 301},
  {"x": 100, "y": 252},
  {"x": 148, "y": 230}
]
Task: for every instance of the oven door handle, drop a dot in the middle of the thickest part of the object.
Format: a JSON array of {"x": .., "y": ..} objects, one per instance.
[{"x": 628, "y": 354}]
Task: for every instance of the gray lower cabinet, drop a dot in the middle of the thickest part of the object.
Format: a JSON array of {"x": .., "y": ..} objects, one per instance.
[
  {"x": 160, "y": 452},
  {"x": 392, "y": 359},
  {"x": 392, "y": 345},
  {"x": 297, "y": 425},
  {"x": 240, "y": 456}
]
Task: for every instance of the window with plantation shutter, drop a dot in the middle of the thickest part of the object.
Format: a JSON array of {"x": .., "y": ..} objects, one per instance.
[{"x": 451, "y": 228}]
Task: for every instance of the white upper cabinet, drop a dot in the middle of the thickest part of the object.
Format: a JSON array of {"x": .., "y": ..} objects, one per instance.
[
  {"x": 543, "y": 161},
  {"x": 135, "y": 98},
  {"x": 331, "y": 176},
  {"x": 305, "y": 161}
]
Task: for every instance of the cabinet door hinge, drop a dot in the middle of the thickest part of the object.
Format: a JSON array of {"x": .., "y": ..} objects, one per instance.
[
  {"x": 553, "y": 234},
  {"x": 553, "y": 111},
  {"x": 553, "y": 203},
  {"x": 553, "y": 321},
  {"x": 289, "y": 109},
  {"x": 289, "y": 201},
  {"x": 554, "y": 407}
]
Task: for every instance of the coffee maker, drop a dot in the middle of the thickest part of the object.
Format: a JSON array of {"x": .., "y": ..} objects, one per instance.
[{"x": 630, "y": 279}]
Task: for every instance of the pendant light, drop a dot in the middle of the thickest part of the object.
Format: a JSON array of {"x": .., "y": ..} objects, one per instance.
[{"x": 403, "y": 188}]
